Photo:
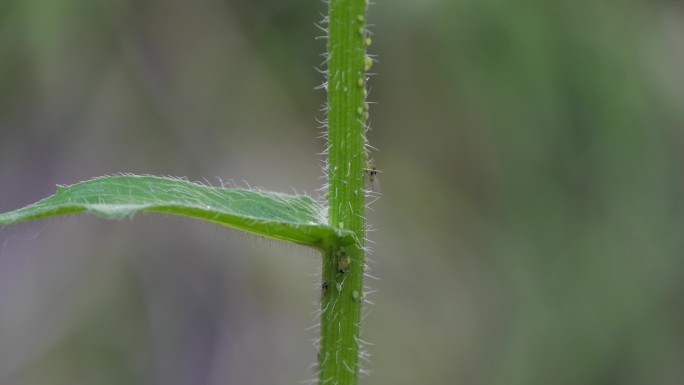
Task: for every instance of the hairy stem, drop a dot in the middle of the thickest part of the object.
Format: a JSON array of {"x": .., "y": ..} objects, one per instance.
[{"x": 343, "y": 267}]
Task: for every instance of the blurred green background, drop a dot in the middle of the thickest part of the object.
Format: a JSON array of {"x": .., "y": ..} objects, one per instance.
[{"x": 530, "y": 230}]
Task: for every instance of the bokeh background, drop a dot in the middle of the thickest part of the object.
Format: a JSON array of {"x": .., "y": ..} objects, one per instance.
[{"x": 530, "y": 230}]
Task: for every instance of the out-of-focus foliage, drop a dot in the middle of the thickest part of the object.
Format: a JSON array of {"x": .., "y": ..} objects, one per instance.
[{"x": 529, "y": 233}]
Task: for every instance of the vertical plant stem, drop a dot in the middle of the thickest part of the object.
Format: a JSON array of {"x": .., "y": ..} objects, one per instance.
[{"x": 343, "y": 268}]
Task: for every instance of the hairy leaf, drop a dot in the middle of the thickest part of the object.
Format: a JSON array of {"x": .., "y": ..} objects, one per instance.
[{"x": 294, "y": 218}]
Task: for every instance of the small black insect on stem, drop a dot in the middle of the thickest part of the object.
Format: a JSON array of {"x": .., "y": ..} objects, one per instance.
[{"x": 324, "y": 288}]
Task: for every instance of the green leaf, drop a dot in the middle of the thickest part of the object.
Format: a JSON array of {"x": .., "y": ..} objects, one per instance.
[{"x": 294, "y": 218}]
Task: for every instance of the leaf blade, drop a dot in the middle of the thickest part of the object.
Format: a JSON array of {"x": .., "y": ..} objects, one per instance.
[{"x": 293, "y": 218}]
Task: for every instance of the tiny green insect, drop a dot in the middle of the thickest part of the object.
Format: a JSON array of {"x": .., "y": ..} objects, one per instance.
[
  {"x": 367, "y": 63},
  {"x": 343, "y": 263}
]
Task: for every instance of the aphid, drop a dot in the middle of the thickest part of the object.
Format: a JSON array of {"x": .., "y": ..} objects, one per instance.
[
  {"x": 367, "y": 63},
  {"x": 355, "y": 295},
  {"x": 324, "y": 288},
  {"x": 338, "y": 286},
  {"x": 343, "y": 264}
]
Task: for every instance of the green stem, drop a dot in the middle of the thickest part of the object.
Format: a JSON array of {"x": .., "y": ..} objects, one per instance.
[{"x": 343, "y": 267}]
